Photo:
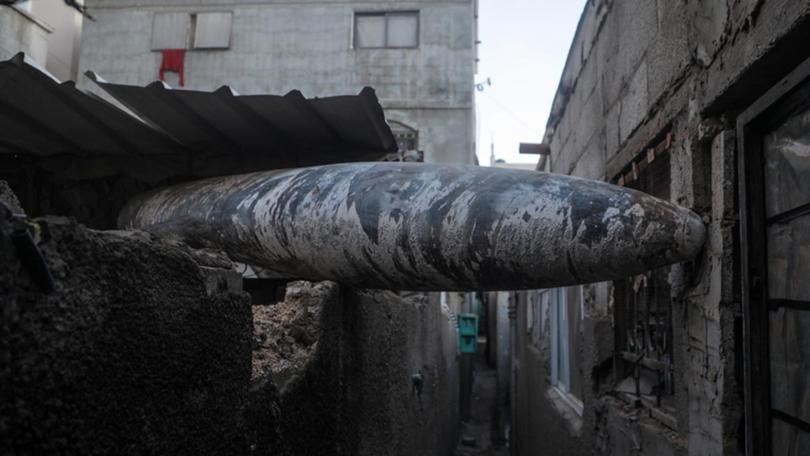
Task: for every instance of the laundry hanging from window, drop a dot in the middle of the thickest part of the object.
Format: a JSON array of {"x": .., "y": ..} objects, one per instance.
[{"x": 173, "y": 61}]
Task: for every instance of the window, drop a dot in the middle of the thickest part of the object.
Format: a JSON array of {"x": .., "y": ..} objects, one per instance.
[
  {"x": 206, "y": 30},
  {"x": 407, "y": 139},
  {"x": 399, "y": 29},
  {"x": 170, "y": 31},
  {"x": 566, "y": 315},
  {"x": 212, "y": 30},
  {"x": 643, "y": 311},
  {"x": 774, "y": 192},
  {"x": 536, "y": 308}
]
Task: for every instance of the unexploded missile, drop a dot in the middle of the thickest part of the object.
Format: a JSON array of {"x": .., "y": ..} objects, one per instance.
[{"x": 413, "y": 226}]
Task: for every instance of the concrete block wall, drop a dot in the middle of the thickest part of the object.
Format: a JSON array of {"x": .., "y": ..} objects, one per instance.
[
  {"x": 636, "y": 71},
  {"x": 278, "y": 46}
]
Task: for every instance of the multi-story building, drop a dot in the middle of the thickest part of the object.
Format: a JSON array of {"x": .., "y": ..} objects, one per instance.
[
  {"x": 419, "y": 56},
  {"x": 20, "y": 31},
  {"x": 47, "y": 31}
]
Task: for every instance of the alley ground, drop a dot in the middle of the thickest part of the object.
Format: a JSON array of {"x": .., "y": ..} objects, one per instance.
[{"x": 477, "y": 433}]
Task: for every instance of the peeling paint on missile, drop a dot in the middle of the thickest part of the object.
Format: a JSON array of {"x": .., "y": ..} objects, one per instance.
[{"x": 409, "y": 226}]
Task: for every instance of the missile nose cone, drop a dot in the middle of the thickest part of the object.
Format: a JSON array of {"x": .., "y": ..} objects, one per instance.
[
  {"x": 690, "y": 235},
  {"x": 426, "y": 227}
]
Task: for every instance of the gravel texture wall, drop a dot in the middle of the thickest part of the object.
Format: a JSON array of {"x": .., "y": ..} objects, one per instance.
[{"x": 130, "y": 354}]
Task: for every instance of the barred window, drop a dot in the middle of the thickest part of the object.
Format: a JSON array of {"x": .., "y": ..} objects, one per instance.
[{"x": 643, "y": 307}]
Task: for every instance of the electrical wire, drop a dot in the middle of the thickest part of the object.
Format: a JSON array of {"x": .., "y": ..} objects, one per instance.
[{"x": 510, "y": 112}]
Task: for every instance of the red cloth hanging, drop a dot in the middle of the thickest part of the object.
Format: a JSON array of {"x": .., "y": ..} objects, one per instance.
[{"x": 173, "y": 61}]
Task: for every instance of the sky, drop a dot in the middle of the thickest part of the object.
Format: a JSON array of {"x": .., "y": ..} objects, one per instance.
[{"x": 524, "y": 44}]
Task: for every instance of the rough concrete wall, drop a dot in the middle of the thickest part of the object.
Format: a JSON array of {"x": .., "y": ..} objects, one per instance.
[
  {"x": 636, "y": 71},
  {"x": 398, "y": 339},
  {"x": 502, "y": 366},
  {"x": 354, "y": 394},
  {"x": 141, "y": 349},
  {"x": 20, "y": 33},
  {"x": 280, "y": 46},
  {"x": 544, "y": 423}
]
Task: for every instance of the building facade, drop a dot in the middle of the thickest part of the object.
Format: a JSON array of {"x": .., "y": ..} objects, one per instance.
[
  {"x": 704, "y": 104},
  {"x": 47, "y": 31},
  {"x": 418, "y": 55},
  {"x": 20, "y": 31}
]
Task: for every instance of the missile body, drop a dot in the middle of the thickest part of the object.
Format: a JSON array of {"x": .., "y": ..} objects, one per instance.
[{"x": 412, "y": 226}]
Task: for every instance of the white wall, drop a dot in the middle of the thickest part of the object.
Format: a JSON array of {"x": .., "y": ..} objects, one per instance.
[
  {"x": 63, "y": 42},
  {"x": 19, "y": 31}
]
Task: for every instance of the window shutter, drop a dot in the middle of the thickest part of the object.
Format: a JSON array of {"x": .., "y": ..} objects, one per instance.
[
  {"x": 170, "y": 31},
  {"x": 403, "y": 30},
  {"x": 213, "y": 30},
  {"x": 369, "y": 31}
]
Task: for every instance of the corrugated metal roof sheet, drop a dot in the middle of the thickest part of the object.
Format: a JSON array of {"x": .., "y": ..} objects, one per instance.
[
  {"x": 41, "y": 116},
  {"x": 44, "y": 117}
]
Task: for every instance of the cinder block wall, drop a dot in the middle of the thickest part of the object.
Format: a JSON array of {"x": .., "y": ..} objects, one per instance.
[{"x": 636, "y": 71}]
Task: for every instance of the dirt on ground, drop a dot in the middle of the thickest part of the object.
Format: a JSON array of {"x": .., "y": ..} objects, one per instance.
[
  {"x": 285, "y": 335},
  {"x": 476, "y": 436}
]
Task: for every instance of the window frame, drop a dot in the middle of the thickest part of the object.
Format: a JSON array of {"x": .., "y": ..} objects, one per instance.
[
  {"x": 156, "y": 18},
  {"x": 190, "y": 28},
  {"x": 561, "y": 344},
  {"x": 786, "y": 97},
  {"x": 385, "y": 15},
  {"x": 194, "y": 29}
]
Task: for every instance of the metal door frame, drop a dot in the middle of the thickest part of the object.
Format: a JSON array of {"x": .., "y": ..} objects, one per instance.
[{"x": 789, "y": 95}]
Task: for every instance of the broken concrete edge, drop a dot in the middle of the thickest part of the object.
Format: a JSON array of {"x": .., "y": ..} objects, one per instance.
[
  {"x": 217, "y": 272},
  {"x": 9, "y": 198},
  {"x": 286, "y": 335},
  {"x": 350, "y": 384}
]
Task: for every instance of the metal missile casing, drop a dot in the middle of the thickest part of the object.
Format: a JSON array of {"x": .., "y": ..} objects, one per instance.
[{"x": 412, "y": 226}]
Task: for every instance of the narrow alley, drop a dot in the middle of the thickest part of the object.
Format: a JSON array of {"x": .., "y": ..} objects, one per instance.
[
  {"x": 479, "y": 435},
  {"x": 405, "y": 228}
]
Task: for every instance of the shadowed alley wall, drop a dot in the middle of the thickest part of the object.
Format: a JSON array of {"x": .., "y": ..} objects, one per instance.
[
  {"x": 351, "y": 391},
  {"x": 658, "y": 80}
]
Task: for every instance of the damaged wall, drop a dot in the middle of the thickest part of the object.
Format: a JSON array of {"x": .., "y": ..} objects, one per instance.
[
  {"x": 640, "y": 74},
  {"x": 133, "y": 353},
  {"x": 147, "y": 346},
  {"x": 342, "y": 364}
]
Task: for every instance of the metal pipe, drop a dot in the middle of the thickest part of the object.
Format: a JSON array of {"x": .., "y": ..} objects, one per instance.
[{"x": 412, "y": 226}]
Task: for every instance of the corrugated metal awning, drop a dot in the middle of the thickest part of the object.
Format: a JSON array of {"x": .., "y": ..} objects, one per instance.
[
  {"x": 41, "y": 116},
  {"x": 44, "y": 117}
]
